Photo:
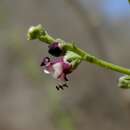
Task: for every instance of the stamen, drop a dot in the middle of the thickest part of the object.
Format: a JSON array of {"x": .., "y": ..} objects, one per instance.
[
  {"x": 57, "y": 87},
  {"x": 65, "y": 85}
]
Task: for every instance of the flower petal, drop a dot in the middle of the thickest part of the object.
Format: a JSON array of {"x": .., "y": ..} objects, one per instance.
[
  {"x": 46, "y": 71},
  {"x": 63, "y": 77},
  {"x": 57, "y": 70}
]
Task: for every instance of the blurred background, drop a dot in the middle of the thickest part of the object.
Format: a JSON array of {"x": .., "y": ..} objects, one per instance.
[{"x": 28, "y": 97}]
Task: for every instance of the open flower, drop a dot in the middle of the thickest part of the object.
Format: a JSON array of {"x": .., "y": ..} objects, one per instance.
[{"x": 58, "y": 68}]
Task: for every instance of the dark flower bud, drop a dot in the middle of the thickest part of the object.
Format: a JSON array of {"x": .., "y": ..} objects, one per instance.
[{"x": 55, "y": 49}]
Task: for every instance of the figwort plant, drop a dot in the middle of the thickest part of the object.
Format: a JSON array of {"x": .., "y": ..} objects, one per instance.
[{"x": 67, "y": 57}]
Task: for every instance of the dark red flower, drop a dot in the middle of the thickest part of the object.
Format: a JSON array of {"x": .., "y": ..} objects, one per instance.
[{"x": 59, "y": 68}]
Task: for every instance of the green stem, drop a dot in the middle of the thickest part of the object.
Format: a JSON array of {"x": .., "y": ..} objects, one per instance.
[
  {"x": 47, "y": 39},
  {"x": 92, "y": 59},
  {"x": 39, "y": 33},
  {"x": 107, "y": 65}
]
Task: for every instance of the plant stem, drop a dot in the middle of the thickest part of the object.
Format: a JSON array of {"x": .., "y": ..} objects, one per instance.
[
  {"x": 45, "y": 37},
  {"x": 92, "y": 59},
  {"x": 107, "y": 65}
]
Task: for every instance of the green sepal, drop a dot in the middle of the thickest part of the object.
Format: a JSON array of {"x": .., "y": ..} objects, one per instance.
[{"x": 73, "y": 58}]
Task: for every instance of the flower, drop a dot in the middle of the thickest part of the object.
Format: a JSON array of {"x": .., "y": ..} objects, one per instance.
[
  {"x": 56, "y": 49},
  {"x": 59, "y": 68}
]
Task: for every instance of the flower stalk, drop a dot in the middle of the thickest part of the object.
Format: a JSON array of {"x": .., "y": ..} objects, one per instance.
[{"x": 43, "y": 36}]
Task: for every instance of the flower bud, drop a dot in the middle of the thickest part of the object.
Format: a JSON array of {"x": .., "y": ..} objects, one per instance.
[
  {"x": 56, "y": 49},
  {"x": 34, "y": 32},
  {"x": 124, "y": 82}
]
